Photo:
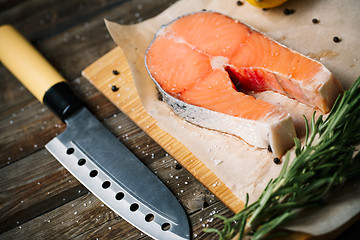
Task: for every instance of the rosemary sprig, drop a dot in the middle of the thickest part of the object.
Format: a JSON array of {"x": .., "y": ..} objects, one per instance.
[{"x": 327, "y": 159}]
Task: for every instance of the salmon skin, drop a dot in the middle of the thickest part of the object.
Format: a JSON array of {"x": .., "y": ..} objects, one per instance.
[{"x": 204, "y": 63}]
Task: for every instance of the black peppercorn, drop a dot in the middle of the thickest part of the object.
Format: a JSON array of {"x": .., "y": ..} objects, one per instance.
[
  {"x": 178, "y": 166},
  {"x": 265, "y": 9},
  {"x": 288, "y": 11},
  {"x": 115, "y": 72},
  {"x": 114, "y": 88},
  {"x": 269, "y": 148},
  {"x": 315, "y": 21},
  {"x": 336, "y": 39},
  {"x": 239, "y": 3},
  {"x": 277, "y": 160}
]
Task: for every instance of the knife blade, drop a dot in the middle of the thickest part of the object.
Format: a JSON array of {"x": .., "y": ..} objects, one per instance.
[{"x": 90, "y": 152}]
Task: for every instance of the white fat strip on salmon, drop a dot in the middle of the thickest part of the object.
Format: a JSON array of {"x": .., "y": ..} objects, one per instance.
[{"x": 274, "y": 127}]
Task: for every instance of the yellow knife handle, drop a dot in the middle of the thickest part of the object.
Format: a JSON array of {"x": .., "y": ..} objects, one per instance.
[
  {"x": 26, "y": 63},
  {"x": 36, "y": 73}
]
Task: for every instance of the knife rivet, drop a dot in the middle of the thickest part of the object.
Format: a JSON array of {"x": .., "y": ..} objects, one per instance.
[
  {"x": 93, "y": 173},
  {"x": 106, "y": 184}
]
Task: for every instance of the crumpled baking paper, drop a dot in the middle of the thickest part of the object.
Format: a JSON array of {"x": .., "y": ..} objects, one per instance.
[{"x": 243, "y": 168}]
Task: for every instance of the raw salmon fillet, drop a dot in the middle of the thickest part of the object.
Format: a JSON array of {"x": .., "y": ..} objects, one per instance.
[{"x": 204, "y": 63}]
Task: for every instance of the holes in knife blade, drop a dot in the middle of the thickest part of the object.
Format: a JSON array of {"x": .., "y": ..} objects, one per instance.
[
  {"x": 165, "y": 226},
  {"x": 106, "y": 184},
  {"x": 93, "y": 173},
  {"x": 149, "y": 217},
  {"x": 134, "y": 207},
  {"x": 119, "y": 196},
  {"x": 81, "y": 161},
  {"x": 70, "y": 151}
]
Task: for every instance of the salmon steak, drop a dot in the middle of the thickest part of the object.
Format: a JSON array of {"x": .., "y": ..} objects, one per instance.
[{"x": 205, "y": 63}]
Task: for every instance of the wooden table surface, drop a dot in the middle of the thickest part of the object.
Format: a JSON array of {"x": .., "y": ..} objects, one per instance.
[{"x": 39, "y": 199}]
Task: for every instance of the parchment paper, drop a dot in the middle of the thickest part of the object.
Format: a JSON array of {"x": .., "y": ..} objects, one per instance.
[{"x": 243, "y": 168}]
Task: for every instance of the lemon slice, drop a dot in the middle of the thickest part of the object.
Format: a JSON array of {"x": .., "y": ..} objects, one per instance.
[{"x": 266, "y": 3}]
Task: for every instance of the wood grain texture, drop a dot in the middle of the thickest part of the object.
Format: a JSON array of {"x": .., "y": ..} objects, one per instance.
[
  {"x": 125, "y": 97},
  {"x": 39, "y": 199}
]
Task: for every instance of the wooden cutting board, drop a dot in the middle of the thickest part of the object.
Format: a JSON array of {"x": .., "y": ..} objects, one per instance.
[{"x": 100, "y": 74}]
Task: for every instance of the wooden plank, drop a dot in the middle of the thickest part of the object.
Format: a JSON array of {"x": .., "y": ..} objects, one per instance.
[
  {"x": 69, "y": 51},
  {"x": 26, "y": 123},
  {"x": 34, "y": 186},
  {"x": 28, "y": 127},
  {"x": 88, "y": 218},
  {"x": 37, "y": 184},
  {"x": 29, "y": 210},
  {"x": 100, "y": 74},
  {"x": 71, "y": 40}
]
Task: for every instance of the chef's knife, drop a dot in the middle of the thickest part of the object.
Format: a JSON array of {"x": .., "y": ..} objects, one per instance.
[{"x": 90, "y": 152}]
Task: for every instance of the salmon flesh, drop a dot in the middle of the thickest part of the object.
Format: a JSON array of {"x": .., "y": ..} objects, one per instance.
[{"x": 204, "y": 64}]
